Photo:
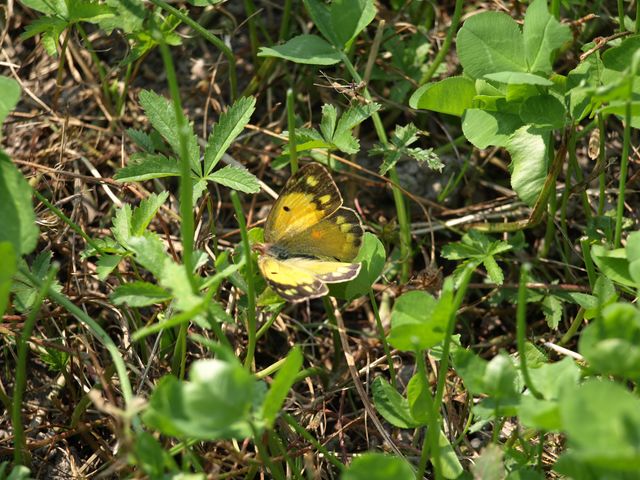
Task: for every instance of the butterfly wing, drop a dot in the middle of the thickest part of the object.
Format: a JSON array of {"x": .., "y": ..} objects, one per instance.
[
  {"x": 297, "y": 279},
  {"x": 336, "y": 237},
  {"x": 308, "y": 197}
]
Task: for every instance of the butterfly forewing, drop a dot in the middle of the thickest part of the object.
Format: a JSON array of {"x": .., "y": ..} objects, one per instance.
[{"x": 308, "y": 197}]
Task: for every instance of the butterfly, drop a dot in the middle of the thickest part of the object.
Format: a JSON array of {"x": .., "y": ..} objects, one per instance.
[{"x": 310, "y": 238}]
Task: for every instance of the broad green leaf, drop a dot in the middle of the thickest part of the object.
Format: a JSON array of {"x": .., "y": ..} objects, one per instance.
[
  {"x": 611, "y": 343},
  {"x": 452, "y": 96},
  {"x": 372, "y": 256},
  {"x": 236, "y": 178},
  {"x": 552, "y": 309},
  {"x": 174, "y": 278},
  {"x": 393, "y": 407},
  {"x": 419, "y": 398},
  {"x": 489, "y": 465},
  {"x": 518, "y": 78},
  {"x": 378, "y": 466},
  {"x": 418, "y": 321},
  {"x": 349, "y": 18},
  {"x": 9, "y": 99},
  {"x": 619, "y": 58},
  {"x": 162, "y": 116},
  {"x": 139, "y": 294},
  {"x": 229, "y": 126},
  {"x": 613, "y": 264},
  {"x": 601, "y": 419},
  {"x": 144, "y": 213},
  {"x": 633, "y": 255},
  {"x": 539, "y": 413},
  {"x": 48, "y": 7},
  {"x": 471, "y": 368},
  {"x": 483, "y": 128},
  {"x": 451, "y": 467},
  {"x": 151, "y": 458},
  {"x": 307, "y": 49},
  {"x": 24, "y": 290},
  {"x": 129, "y": 16},
  {"x": 543, "y": 111},
  {"x": 543, "y": 35},
  {"x": 87, "y": 11},
  {"x": 8, "y": 268},
  {"x": 491, "y": 42},
  {"x": 528, "y": 150},
  {"x": 501, "y": 378},
  {"x": 328, "y": 121},
  {"x": 215, "y": 403},
  {"x": 320, "y": 13},
  {"x": 280, "y": 386},
  {"x": 16, "y": 210}
]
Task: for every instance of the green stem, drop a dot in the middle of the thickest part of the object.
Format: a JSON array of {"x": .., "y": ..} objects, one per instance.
[
  {"x": 286, "y": 19},
  {"x": 624, "y": 167},
  {"x": 21, "y": 369},
  {"x": 585, "y": 246},
  {"x": 521, "y": 327},
  {"x": 383, "y": 337},
  {"x": 573, "y": 328},
  {"x": 455, "y": 20},
  {"x": 250, "y": 10},
  {"x": 602, "y": 158},
  {"x": 621, "y": 14},
  {"x": 291, "y": 125},
  {"x": 226, "y": 51},
  {"x": 433, "y": 429},
  {"x": 251, "y": 294}
]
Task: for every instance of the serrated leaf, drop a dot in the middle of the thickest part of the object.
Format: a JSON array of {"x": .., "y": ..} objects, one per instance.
[
  {"x": 162, "y": 116},
  {"x": 121, "y": 228},
  {"x": 9, "y": 99},
  {"x": 144, "y": 213},
  {"x": 142, "y": 140},
  {"x": 552, "y": 309},
  {"x": 149, "y": 252},
  {"x": 174, "y": 278},
  {"x": 229, "y": 126},
  {"x": 106, "y": 264},
  {"x": 139, "y": 294},
  {"x": 145, "y": 166},
  {"x": 236, "y": 178},
  {"x": 328, "y": 122}
]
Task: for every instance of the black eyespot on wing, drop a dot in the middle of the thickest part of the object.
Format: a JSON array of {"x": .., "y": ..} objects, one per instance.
[{"x": 286, "y": 209}]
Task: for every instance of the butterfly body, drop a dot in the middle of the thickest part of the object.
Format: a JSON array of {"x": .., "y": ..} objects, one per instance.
[{"x": 310, "y": 239}]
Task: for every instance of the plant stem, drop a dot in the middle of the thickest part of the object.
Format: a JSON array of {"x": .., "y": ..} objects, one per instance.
[
  {"x": 21, "y": 369},
  {"x": 330, "y": 457},
  {"x": 455, "y": 20},
  {"x": 383, "y": 338},
  {"x": 621, "y": 14},
  {"x": 291, "y": 125},
  {"x": 286, "y": 19},
  {"x": 624, "y": 167},
  {"x": 251, "y": 294},
  {"x": 207, "y": 35},
  {"x": 602, "y": 158},
  {"x": 521, "y": 326}
]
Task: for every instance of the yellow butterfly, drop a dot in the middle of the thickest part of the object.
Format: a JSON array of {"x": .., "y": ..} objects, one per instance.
[{"x": 310, "y": 238}]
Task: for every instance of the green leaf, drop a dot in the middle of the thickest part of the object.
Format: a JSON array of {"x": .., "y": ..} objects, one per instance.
[
  {"x": 378, "y": 466},
  {"x": 144, "y": 213},
  {"x": 632, "y": 250},
  {"x": 501, "y": 378},
  {"x": 121, "y": 228},
  {"x": 343, "y": 138},
  {"x": 543, "y": 35},
  {"x": 204, "y": 3},
  {"x": 149, "y": 252},
  {"x": 280, "y": 386},
  {"x": 215, "y": 404},
  {"x": 16, "y": 210},
  {"x": 419, "y": 321},
  {"x": 619, "y": 58},
  {"x": 236, "y": 178},
  {"x": 419, "y": 398},
  {"x": 491, "y": 42},
  {"x": 484, "y": 128},
  {"x": 320, "y": 13},
  {"x": 142, "y": 140},
  {"x": 611, "y": 343},
  {"x": 552, "y": 309},
  {"x": 452, "y": 96},
  {"x": 229, "y": 126},
  {"x": 151, "y": 458},
  {"x": 106, "y": 264},
  {"x": 328, "y": 122},
  {"x": 162, "y": 116},
  {"x": 9, "y": 99},
  {"x": 393, "y": 407},
  {"x": 51, "y": 28},
  {"x": 543, "y": 111},
  {"x": 24, "y": 290},
  {"x": 528, "y": 150},
  {"x": 349, "y": 18},
  {"x": 518, "y": 78},
  {"x": 307, "y": 49},
  {"x": 489, "y": 465},
  {"x": 8, "y": 268},
  {"x": 87, "y": 11},
  {"x": 48, "y": 7},
  {"x": 372, "y": 257},
  {"x": 613, "y": 264},
  {"x": 398, "y": 147},
  {"x": 174, "y": 278},
  {"x": 139, "y": 294},
  {"x": 129, "y": 17},
  {"x": 609, "y": 438}
]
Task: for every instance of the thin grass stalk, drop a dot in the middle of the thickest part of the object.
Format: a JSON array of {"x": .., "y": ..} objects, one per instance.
[
  {"x": 300, "y": 430},
  {"x": 291, "y": 125},
  {"x": 602, "y": 158},
  {"x": 19, "y": 441},
  {"x": 286, "y": 19},
  {"x": 621, "y": 14},
  {"x": 211, "y": 38},
  {"x": 521, "y": 328},
  {"x": 455, "y": 21},
  {"x": 430, "y": 446},
  {"x": 251, "y": 292},
  {"x": 383, "y": 337},
  {"x": 624, "y": 168}
]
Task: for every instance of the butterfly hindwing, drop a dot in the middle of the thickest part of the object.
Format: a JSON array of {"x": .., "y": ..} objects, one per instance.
[
  {"x": 336, "y": 237},
  {"x": 308, "y": 197}
]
